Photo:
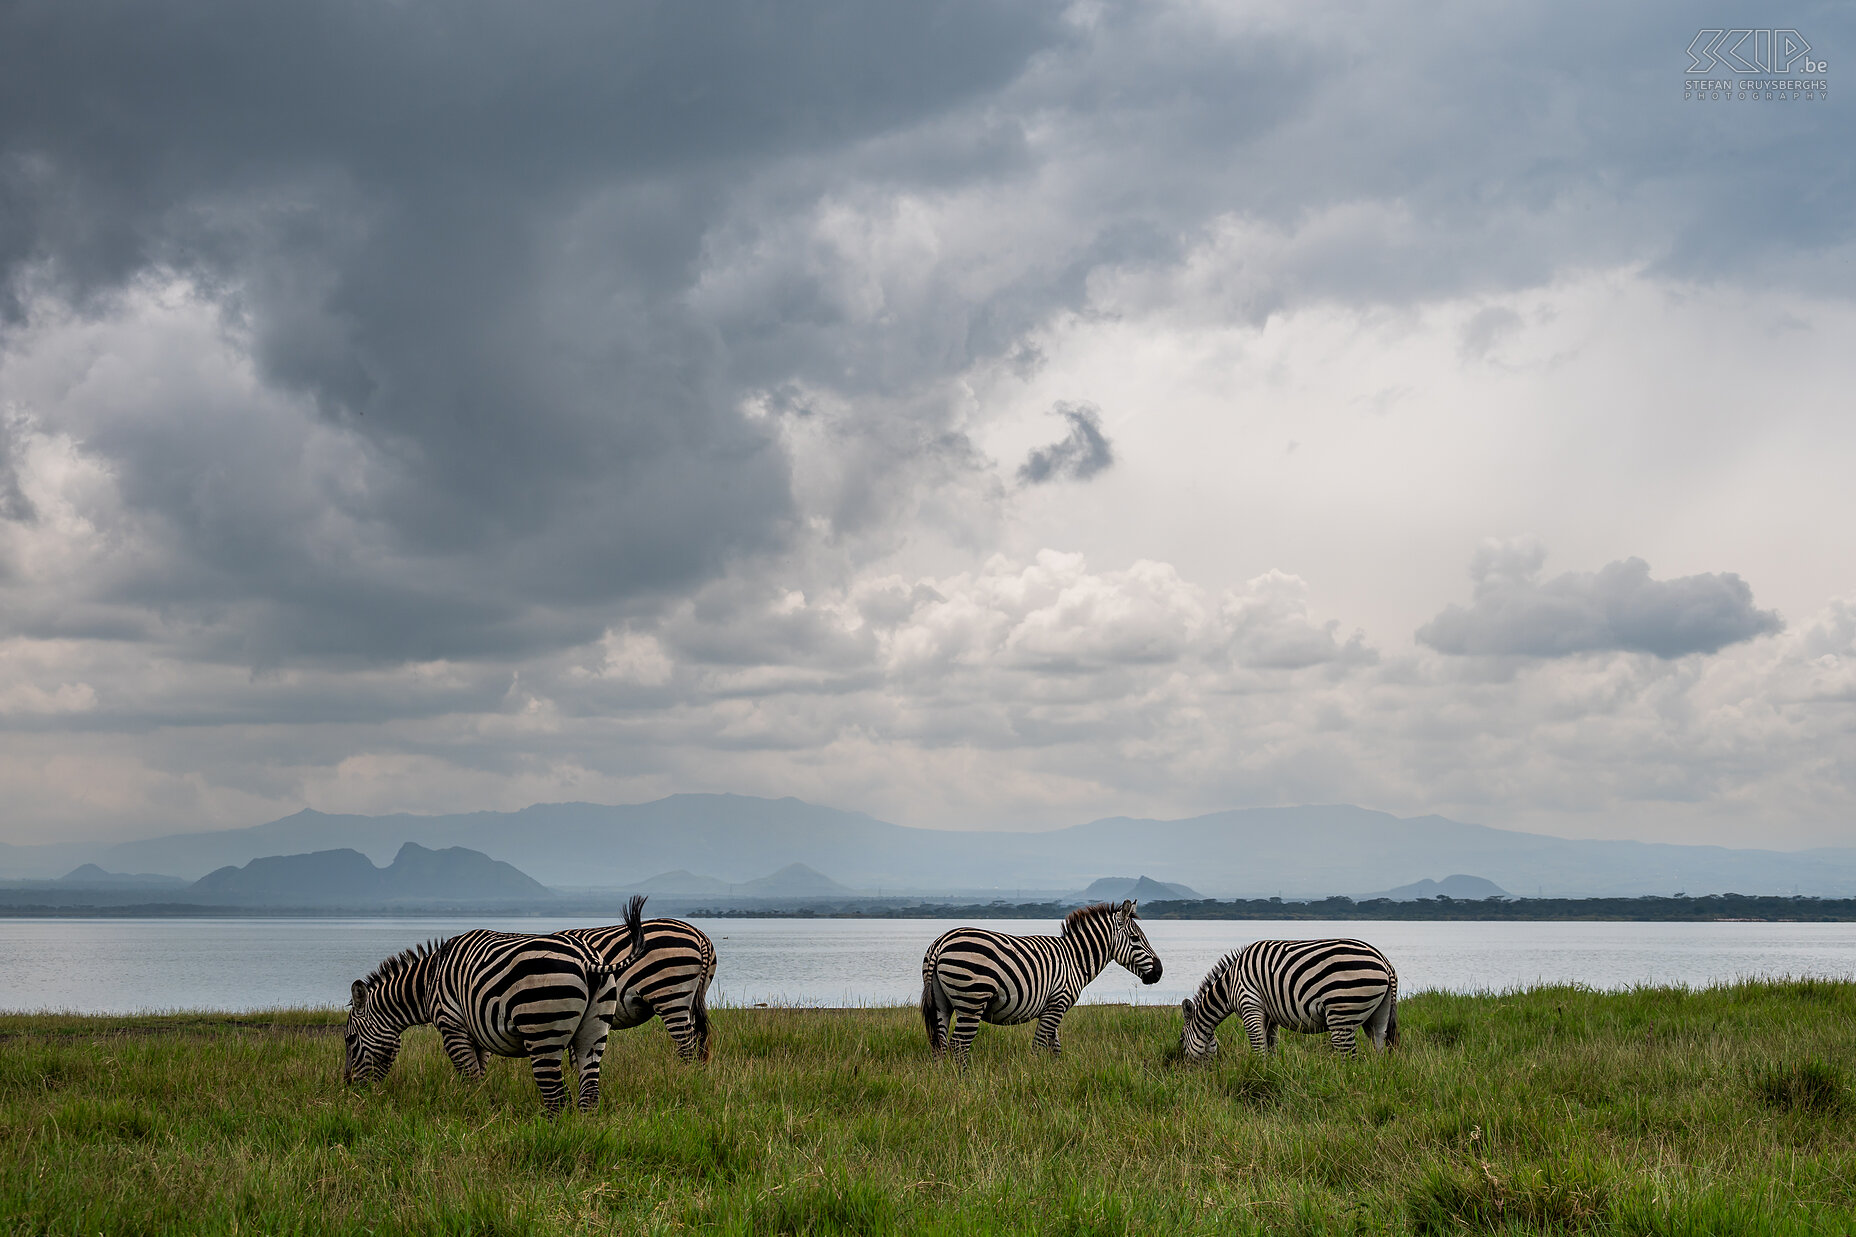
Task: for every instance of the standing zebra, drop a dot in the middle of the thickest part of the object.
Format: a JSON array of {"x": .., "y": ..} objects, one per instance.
[
  {"x": 970, "y": 975},
  {"x": 503, "y": 993},
  {"x": 1309, "y": 986},
  {"x": 666, "y": 977}
]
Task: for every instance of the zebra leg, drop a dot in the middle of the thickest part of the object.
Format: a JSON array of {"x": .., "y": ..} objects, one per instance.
[
  {"x": 1269, "y": 1035},
  {"x": 1340, "y": 1035},
  {"x": 680, "y": 1021},
  {"x": 1256, "y": 1025},
  {"x": 589, "y": 1050},
  {"x": 465, "y": 1055},
  {"x": 962, "y": 1026},
  {"x": 545, "y": 1061},
  {"x": 1050, "y": 1022}
]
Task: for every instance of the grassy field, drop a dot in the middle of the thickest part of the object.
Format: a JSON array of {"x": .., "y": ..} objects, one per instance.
[{"x": 1558, "y": 1110}]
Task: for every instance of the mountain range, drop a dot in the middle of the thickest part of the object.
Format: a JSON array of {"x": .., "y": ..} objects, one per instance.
[
  {"x": 1310, "y": 851},
  {"x": 417, "y": 875}
]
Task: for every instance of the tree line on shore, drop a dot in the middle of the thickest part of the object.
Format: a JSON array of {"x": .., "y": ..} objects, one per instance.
[{"x": 1674, "y": 908}]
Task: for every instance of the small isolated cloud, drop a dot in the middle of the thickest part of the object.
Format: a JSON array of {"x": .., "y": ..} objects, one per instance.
[
  {"x": 1618, "y": 607},
  {"x": 1080, "y": 456}
]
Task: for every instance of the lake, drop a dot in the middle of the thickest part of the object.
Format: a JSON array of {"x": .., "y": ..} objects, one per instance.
[{"x": 121, "y": 966}]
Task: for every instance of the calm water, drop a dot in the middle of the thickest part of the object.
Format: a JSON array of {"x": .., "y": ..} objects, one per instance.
[{"x": 136, "y": 965}]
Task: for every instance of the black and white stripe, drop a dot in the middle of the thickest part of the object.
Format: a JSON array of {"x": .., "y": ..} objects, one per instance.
[
  {"x": 664, "y": 970},
  {"x": 488, "y": 993},
  {"x": 1333, "y": 986},
  {"x": 971, "y": 975}
]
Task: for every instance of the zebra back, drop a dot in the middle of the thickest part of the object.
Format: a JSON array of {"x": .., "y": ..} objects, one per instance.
[{"x": 509, "y": 985}]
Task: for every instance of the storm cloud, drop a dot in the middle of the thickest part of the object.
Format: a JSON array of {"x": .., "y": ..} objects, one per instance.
[
  {"x": 459, "y": 247},
  {"x": 1080, "y": 455},
  {"x": 415, "y": 405},
  {"x": 1616, "y": 608},
  {"x": 537, "y": 305}
]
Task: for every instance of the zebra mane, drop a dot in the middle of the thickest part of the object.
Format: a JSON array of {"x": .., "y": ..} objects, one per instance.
[
  {"x": 1081, "y": 913},
  {"x": 1219, "y": 970},
  {"x": 406, "y": 958}
]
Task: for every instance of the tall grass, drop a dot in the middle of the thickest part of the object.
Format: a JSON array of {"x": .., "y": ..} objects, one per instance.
[{"x": 1728, "y": 1110}]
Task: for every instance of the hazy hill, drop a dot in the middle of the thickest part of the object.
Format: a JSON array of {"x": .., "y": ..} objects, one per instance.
[
  {"x": 1145, "y": 889},
  {"x": 348, "y": 878},
  {"x": 795, "y": 880},
  {"x": 1259, "y": 852},
  {"x": 1458, "y": 886},
  {"x": 681, "y": 883},
  {"x": 91, "y": 874}
]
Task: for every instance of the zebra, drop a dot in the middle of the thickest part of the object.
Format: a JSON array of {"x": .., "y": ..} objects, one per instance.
[
  {"x": 666, "y": 977},
  {"x": 503, "y": 993},
  {"x": 1337, "y": 986},
  {"x": 971, "y": 975}
]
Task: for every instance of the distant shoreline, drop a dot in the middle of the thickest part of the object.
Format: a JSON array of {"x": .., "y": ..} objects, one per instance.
[{"x": 1714, "y": 908}]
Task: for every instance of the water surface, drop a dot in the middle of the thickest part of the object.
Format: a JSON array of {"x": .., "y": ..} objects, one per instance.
[{"x": 120, "y": 966}]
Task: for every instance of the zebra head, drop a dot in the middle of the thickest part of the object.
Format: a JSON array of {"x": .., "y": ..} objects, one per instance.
[
  {"x": 1128, "y": 946},
  {"x": 369, "y": 1040},
  {"x": 1198, "y": 1038}
]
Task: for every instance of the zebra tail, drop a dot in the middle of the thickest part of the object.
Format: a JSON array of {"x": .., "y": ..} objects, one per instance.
[
  {"x": 699, "y": 1018},
  {"x": 1392, "y": 1021},
  {"x": 634, "y": 922},
  {"x": 931, "y": 1014}
]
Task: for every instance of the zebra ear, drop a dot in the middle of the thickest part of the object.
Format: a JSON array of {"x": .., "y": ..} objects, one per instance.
[
  {"x": 1127, "y": 909},
  {"x": 1186, "y": 1007},
  {"x": 357, "y": 995}
]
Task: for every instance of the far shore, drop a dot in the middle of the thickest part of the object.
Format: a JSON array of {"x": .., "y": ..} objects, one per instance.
[{"x": 1713, "y": 908}]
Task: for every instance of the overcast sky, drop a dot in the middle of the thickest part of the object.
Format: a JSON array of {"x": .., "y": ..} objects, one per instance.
[{"x": 975, "y": 414}]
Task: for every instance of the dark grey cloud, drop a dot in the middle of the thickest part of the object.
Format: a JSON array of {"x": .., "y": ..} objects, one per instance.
[
  {"x": 1412, "y": 153},
  {"x": 468, "y": 234},
  {"x": 531, "y": 264},
  {"x": 1618, "y": 607},
  {"x": 14, "y": 505},
  {"x": 1078, "y": 456}
]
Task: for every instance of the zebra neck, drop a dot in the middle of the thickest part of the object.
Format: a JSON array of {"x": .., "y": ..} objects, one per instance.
[
  {"x": 1220, "y": 998},
  {"x": 413, "y": 994},
  {"x": 1090, "y": 947}
]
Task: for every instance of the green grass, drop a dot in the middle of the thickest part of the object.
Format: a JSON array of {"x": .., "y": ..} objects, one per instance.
[{"x": 1558, "y": 1110}]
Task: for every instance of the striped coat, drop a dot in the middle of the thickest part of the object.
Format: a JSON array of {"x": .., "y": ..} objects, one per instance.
[
  {"x": 504, "y": 994},
  {"x": 1334, "y": 986},
  {"x": 971, "y": 975},
  {"x": 668, "y": 977}
]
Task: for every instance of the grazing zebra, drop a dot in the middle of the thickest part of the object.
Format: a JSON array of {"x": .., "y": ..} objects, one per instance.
[
  {"x": 666, "y": 977},
  {"x": 502, "y": 993},
  {"x": 971, "y": 975},
  {"x": 1308, "y": 986}
]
